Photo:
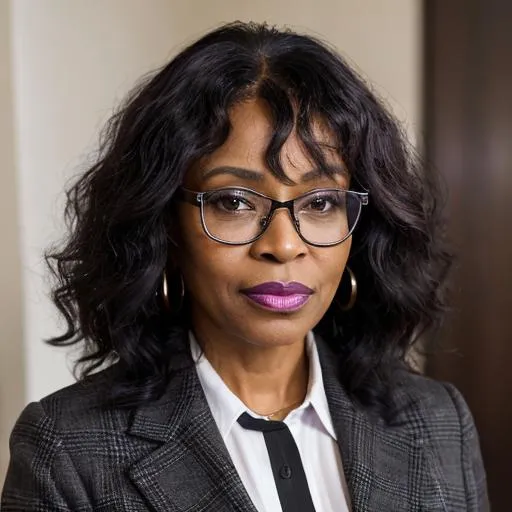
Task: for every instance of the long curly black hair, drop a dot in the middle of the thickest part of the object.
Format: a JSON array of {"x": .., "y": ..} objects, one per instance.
[{"x": 119, "y": 212}]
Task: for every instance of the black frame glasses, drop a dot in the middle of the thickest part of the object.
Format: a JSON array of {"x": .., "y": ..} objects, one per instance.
[{"x": 198, "y": 199}]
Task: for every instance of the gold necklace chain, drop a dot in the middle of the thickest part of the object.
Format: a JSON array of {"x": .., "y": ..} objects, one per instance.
[{"x": 268, "y": 416}]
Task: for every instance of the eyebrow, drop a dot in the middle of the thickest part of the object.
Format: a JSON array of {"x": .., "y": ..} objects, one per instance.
[{"x": 251, "y": 175}]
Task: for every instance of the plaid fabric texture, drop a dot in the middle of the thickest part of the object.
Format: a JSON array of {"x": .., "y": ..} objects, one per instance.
[{"x": 70, "y": 455}]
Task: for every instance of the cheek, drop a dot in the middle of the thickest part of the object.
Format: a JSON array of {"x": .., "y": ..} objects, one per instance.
[
  {"x": 333, "y": 264},
  {"x": 207, "y": 266}
]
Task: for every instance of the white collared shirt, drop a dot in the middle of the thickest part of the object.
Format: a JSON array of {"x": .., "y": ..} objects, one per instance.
[{"x": 310, "y": 425}]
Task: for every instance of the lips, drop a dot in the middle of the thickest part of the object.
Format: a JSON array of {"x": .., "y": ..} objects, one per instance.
[
  {"x": 278, "y": 288},
  {"x": 278, "y": 296}
]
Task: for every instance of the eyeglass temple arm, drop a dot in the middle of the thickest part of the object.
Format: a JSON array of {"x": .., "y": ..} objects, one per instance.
[{"x": 189, "y": 196}]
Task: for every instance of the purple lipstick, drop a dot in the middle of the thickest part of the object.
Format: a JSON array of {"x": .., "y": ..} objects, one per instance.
[{"x": 278, "y": 296}]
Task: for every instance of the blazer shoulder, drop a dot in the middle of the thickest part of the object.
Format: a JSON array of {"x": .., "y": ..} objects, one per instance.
[
  {"x": 65, "y": 447},
  {"x": 437, "y": 413},
  {"x": 432, "y": 402},
  {"x": 81, "y": 406}
]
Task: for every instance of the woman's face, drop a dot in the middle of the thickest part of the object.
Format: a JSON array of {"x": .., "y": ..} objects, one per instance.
[{"x": 217, "y": 276}]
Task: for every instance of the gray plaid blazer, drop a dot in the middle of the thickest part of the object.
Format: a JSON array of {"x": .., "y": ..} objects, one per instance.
[{"x": 168, "y": 456}]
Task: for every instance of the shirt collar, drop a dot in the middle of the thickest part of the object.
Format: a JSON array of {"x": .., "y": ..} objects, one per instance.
[
  {"x": 226, "y": 407},
  {"x": 316, "y": 392}
]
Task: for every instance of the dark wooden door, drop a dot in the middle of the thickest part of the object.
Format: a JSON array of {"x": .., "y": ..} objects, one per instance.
[{"x": 468, "y": 115}]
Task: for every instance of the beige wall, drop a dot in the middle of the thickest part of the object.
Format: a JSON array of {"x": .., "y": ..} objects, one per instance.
[
  {"x": 12, "y": 392},
  {"x": 70, "y": 62}
]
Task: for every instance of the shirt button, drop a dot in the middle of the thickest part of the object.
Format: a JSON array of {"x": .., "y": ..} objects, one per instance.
[{"x": 285, "y": 472}]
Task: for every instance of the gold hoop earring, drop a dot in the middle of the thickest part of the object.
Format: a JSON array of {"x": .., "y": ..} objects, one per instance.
[
  {"x": 165, "y": 293},
  {"x": 353, "y": 292}
]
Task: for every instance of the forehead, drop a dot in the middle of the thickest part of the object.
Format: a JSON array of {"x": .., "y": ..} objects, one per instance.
[{"x": 249, "y": 138}]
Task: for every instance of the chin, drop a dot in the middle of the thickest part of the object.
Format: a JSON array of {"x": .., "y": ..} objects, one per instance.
[{"x": 273, "y": 333}]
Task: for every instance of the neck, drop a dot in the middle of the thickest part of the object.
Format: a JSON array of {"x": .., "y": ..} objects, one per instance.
[{"x": 266, "y": 379}]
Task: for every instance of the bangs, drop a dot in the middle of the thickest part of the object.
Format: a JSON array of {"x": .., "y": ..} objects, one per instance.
[{"x": 289, "y": 112}]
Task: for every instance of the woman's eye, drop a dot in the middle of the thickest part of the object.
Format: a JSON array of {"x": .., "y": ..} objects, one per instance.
[
  {"x": 320, "y": 205},
  {"x": 231, "y": 204},
  {"x": 324, "y": 204}
]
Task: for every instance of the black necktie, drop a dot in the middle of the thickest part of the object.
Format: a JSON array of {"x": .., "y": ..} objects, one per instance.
[{"x": 291, "y": 483}]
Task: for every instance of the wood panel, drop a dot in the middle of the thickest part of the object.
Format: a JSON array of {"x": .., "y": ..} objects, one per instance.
[{"x": 468, "y": 116}]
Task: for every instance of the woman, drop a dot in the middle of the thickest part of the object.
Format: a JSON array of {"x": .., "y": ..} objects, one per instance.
[{"x": 252, "y": 258}]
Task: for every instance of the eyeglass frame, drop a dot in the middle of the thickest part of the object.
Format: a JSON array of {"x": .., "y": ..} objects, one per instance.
[{"x": 195, "y": 198}]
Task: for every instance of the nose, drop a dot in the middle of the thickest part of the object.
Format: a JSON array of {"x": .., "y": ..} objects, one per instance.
[{"x": 280, "y": 242}]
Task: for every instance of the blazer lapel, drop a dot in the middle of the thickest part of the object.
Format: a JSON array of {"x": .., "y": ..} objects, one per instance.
[
  {"x": 386, "y": 467},
  {"x": 190, "y": 468}
]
